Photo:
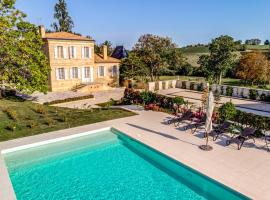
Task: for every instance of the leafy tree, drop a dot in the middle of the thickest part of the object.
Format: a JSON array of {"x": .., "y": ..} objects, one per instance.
[
  {"x": 221, "y": 58},
  {"x": 99, "y": 48},
  {"x": 156, "y": 53},
  {"x": 266, "y": 42},
  {"x": 255, "y": 41},
  {"x": 254, "y": 67},
  {"x": 23, "y": 66},
  {"x": 132, "y": 67},
  {"x": 63, "y": 20}
]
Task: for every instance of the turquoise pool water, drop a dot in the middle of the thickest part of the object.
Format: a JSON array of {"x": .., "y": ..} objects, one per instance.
[{"x": 106, "y": 165}]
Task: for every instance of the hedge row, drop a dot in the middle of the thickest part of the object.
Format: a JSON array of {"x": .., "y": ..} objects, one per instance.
[
  {"x": 69, "y": 99},
  {"x": 136, "y": 97},
  {"x": 228, "y": 112}
]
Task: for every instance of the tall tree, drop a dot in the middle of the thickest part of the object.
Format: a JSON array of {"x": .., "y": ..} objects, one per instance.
[
  {"x": 155, "y": 53},
  {"x": 133, "y": 67},
  {"x": 254, "y": 68},
  {"x": 266, "y": 42},
  {"x": 23, "y": 66},
  {"x": 221, "y": 58},
  {"x": 99, "y": 48},
  {"x": 63, "y": 20}
]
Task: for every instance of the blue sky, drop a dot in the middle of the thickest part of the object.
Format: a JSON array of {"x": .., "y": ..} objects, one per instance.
[{"x": 185, "y": 21}]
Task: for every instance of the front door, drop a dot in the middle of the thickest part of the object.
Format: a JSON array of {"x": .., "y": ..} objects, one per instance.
[{"x": 87, "y": 75}]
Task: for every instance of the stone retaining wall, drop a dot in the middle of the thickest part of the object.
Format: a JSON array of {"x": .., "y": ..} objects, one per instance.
[{"x": 235, "y": 91}]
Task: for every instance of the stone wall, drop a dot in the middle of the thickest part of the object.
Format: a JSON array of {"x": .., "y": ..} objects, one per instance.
[{"x": 226, "y": 90}]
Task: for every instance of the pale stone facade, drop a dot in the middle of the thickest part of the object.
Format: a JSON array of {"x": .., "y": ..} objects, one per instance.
[{"x": 74, "y": 64}]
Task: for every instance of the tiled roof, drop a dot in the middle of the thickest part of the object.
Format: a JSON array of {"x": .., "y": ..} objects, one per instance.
[
  {"x": 66, "y": 36},
  {"x": 99, "y": 59},
  {"x": 120, "y": 52}
]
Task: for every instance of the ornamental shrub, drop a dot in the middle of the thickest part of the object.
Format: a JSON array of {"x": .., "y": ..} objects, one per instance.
[
  {"x": 192, "y": 85},
  {"x": 178, "y": 100},
  {"x": 265, "y": 97},
  {"x": 12, "y": 114},
  {"x": 200, "y": 87},
  {"x": 184, "y": 85},
  {"x": 229, "y": 91},
  {"x": 253, "y": 94},
  {"x": 148, "y": 97},
  {"x": 227, "y": 111},
  {"x": 69, "y": 99}
]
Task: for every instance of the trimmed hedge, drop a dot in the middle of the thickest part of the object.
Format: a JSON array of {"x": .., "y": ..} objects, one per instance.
[
  {"x": 135, "y": 97},
  {"x": 69, "y": 99},
  {"x": 228, "y": 112}
]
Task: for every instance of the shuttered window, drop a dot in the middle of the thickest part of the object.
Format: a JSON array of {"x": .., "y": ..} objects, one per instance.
[{"x": 61, "y": 73}]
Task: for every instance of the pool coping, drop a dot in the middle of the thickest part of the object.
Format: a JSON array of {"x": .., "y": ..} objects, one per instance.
[{"x": 7, "y": 192}]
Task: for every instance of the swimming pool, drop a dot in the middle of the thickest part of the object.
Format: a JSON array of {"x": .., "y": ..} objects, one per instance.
[{"x": 106, "y": 165}]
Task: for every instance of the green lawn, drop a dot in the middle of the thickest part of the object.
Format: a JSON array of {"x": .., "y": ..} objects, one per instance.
[
  {"x": 225, "y": 81},
  {"x": 237, "y": 82},
  {"x": 27, "y": 118},
  {"x": 188, "y": 78}
]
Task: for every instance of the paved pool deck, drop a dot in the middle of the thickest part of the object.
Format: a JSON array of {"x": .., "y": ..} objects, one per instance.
[{"x": 246, "y": 171}]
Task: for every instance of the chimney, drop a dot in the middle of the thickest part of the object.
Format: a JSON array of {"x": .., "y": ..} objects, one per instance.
[
  {"x": 105, "y": 52},
  {"x": 42, "y": 31}
]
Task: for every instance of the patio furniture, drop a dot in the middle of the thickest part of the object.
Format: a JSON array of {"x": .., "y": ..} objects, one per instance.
[
  {"x": 267, "y": 141},
  {"x": 219, "y": 130},
  {"x": 245, "y": 135},
  {"x": 197, "y": 122},
  {"x": 266, "y": 138},
  {"x": 185, "y": 116}
]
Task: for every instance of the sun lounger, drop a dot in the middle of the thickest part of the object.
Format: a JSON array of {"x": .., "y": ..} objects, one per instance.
[
  {"x": 221, "y": 129},
  {"x": 247, "y": 134},
  {"x": 185, "y": 116}
]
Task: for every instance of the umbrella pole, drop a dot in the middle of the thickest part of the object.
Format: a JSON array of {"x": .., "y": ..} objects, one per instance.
[{"x": 206, "y": 147}]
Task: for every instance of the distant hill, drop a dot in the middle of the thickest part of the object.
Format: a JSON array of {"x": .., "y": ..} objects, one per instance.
[
  {"x": 195, "y": 49},
  {"x": 192, "y": 53}
]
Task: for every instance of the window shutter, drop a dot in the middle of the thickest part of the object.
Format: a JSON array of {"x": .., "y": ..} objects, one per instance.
[
  {"x": 104, "y": 71},
  {"x": 90, "y": 52},
  {"x": 82, "y": 52},
  {"x": 55, "y": 52},
  {"x": 71, "y": 73},
  {"x": 66, "y": 74},
  {"x": 82, "y": 72},
  {"x": 79, "y": 72},
  {"x": 69, "y": 52},
  {"x": 91, "y": 74},
  {"x": 57, "y": 74},
  {"x": 98, "y": 68},
  {"x": 65, "y": 52},
  {"x": 75, "y": 52}
]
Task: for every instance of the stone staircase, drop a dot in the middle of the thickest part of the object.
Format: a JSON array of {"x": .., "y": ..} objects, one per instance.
[{"x": 90, "y": 87}]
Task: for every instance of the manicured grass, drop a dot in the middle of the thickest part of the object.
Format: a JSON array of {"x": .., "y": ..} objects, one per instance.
[
  {"x": 30, "y": 119},
  {"x": 237, "y": 82},
  {"x": 191, "y": 78}
]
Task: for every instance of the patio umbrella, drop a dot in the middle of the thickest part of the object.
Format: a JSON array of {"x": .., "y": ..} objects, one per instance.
[{"x": 208, "y": 123}]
